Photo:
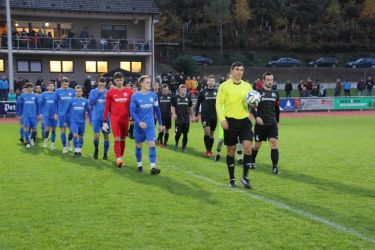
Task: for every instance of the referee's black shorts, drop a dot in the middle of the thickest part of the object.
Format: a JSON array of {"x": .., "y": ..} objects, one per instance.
[
  {"x": 238, "y": 129},
  {"x": 264, "y": 132}
]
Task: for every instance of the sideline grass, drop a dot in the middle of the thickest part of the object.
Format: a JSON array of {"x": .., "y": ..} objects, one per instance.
[{"x": 49, "y": 200}]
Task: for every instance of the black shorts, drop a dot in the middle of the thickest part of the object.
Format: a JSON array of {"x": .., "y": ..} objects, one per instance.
[
  {"x": 264, "y": 132},
  {"x": 166, "y": 122},
  {"x": 209, "y": 122},
  {"x": 182, "y": 127},
  {"x": 238, "y": 130}
]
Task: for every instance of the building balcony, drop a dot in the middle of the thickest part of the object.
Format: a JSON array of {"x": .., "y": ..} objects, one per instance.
[{"x": 78, "y": 46}]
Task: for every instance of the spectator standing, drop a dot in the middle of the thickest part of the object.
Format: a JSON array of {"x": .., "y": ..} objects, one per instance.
[
  {"x": 188, "y": 83},
  {"x": 300, "y": 86},
  {"x": 202, "y": 82},
  {"x": 322, "y": 91},
  {"x": 315, "y": 90},
  {"x": 87, "y": 86},
  {"x": 369, "y": 85},
  {"x": 347, "y": 86},
  {"x": 309, "y": 86},
  {"x": 222, "y": 79},
  {"x": 58, "y": 82},
  {"x": 361, "y": 87},
  {"x": 258, "y": 85},
  {"x": 12, "y": 97},
  {"x": 194, "y": 83},
  {"x": 4, "y": 88},
  {"x": 72, "y": 84},
  {"x": 338, "y": 87},
  {"x": 304, "y": 92},
  {"x": 39, "y": 82},
  {"x": 288, "y": 89}
]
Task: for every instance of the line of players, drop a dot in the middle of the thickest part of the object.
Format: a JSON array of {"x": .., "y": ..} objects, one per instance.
[{"x": 67, "y": 108}]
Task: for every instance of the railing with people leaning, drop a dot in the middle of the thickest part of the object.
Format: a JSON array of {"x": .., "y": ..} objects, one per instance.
[{"x": 76, "y": 44}]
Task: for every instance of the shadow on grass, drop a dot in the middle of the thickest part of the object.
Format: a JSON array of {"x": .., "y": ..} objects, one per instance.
[
  {"x": 172, "y": 185},
  {"x": 190, "y": 151},
  {"x": 320, "y": 183}
]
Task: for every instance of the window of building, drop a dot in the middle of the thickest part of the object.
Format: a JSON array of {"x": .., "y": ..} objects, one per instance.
[
  {"x": 96, "y": 66},
  {"x": 29, "y": 66},
  {"x": 61, "y": 66},
  {"x": 135, "y": 67},
  {"x": 2, "y": 69},
  {"x": 114, "y": 31},
  {"x": 125, "y": 66}
]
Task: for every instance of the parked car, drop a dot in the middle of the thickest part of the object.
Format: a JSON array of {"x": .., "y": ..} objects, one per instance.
[
  {"x": 324, "y": 62},
  {"x": 366, "y": 62},
  {"x": 284, "y": 62},
  {"x": 201, "y": 60}
]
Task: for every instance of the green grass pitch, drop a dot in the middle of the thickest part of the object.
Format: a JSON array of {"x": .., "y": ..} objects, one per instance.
[{"x": 324, "y": 197}]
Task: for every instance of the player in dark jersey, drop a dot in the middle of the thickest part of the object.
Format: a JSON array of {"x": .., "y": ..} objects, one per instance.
[
  {"x": 182, "y": 113},
  {"x": 267, "y": 116},
  {"x": 165, "y": 100},
  {"x": 207, "y": 104}
]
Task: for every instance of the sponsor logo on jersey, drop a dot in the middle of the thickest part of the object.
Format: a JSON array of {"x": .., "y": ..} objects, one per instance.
[
  {"x": 146, "y": 106},
  {"x": 121, "y": 99}
]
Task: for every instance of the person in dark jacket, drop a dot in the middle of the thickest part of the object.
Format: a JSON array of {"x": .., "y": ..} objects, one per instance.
[
  {"x": 361, "y": 87},
  {"x": 87, "y": 86},
  {"x": 338, "y": 87},
  {"x": 288, "y": 89}
]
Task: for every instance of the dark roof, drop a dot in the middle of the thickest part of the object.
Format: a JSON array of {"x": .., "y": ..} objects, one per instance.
[{"x": 105, "y": 6}]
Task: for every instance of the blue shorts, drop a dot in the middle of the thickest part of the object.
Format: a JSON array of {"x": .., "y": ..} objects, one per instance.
[
  {"x": 29, "y": 122},
  {"x": 62, "y": 121},
  {"x": 50, "y": 122},
  {"x": 78, "y": 128},
  {"x": 97, "y": 127},
  {"x": 141, "y": 135}
]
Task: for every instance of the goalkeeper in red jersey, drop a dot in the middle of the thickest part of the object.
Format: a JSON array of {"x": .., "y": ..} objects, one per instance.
[{"x": 117, "y": 106}]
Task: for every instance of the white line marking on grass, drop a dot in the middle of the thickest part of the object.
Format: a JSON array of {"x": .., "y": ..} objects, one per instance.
[{"x": 278, "y": 204}]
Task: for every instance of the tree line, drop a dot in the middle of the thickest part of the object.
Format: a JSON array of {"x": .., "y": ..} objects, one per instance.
[{"x": 315, "y": 25}]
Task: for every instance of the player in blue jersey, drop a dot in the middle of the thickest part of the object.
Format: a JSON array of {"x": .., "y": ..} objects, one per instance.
[
  {"x": 76, "y": 111},
  {"x": 22, "y": 137},
  {"x": 143, "y": 108},
  {"x": 97, "y": 103},
  {"x": 38, "y": 92},
  {"x": 64, "y": 95},
  {"x": 28, "y": 112},
  {"x": 48, "y": 112}
]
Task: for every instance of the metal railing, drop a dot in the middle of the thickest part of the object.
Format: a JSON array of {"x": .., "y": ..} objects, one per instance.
[{"x": 76, "y": 44}]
